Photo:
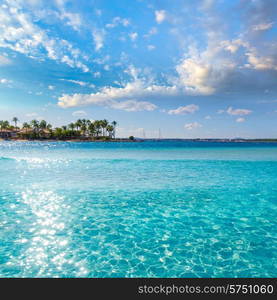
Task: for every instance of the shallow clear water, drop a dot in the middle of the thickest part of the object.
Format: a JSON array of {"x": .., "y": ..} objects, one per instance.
[{"x": 151, "y": 209}]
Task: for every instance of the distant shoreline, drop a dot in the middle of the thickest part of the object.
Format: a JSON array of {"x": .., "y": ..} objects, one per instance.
[
  {"x": 71, "y": 140},
  {"x": 261, "y": 140}
]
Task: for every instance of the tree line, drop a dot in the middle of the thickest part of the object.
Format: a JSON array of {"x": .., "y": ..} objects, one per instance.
[{"x": 98, "y": 129}]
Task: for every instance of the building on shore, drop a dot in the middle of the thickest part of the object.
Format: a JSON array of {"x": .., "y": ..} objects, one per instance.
[{"x": 7, "y": 133}]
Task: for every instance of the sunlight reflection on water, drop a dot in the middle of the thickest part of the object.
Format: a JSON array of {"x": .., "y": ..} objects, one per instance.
[{"x": 47, "y": 251}]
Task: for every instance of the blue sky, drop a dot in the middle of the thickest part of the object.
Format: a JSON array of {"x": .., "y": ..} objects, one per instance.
[{"x": 189, "y": 68}]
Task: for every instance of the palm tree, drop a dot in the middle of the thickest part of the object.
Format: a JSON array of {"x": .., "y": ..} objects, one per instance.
[
  {"x": 58, "y": 132},
  {"x": 49, "y": 127},
  {"x": 6, "y": 124},
  {"x": 110, "y": 130},
  {"x": 26, "y": 126},
  {"x": 84, "y": 129},
  {"x": 71, "y": 126},
  {"x": 97, "y": 125},
  {"x": 91, "y": 129},
  {"x": 15, "y": 120},
  {"x": 43, "y": 124},
  {"x": 78, "y": 124},
  {"x": 88, "y": 122},
  {"x": 35, "y": 126},
  {"x": 104, "y": 124},
  {"x": 114, "y": 123}
]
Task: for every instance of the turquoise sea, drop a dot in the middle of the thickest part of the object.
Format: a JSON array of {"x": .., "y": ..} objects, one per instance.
[{"x": 149, "y": 209}]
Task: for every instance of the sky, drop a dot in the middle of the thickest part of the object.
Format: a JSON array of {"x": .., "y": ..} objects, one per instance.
[{"x": 184, "y": 68}]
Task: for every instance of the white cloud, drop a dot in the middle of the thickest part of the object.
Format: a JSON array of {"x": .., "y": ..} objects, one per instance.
[
  {"x": 79, "y": 82},
  {"x": 238, "y": 111},
  {"x": 240, "y": 120},
  {"x": 184, "y": 110},
  {"x": 233, "y": 45},
  {"x": 106, "y": 67},
  {"x": 118, "y": 21},
  {"x": 151, "y": 47},
  {"x": 96, "y": 74},
  {"x": 133, "y": 105},
  {"x": 51, "y": 87},
  {"x": 160, "y": 16},
  {"x": 197, "y": 76},
  {"x": 133, "y": 36},
  {"x": 110, "y": 96},
  {"x": 91, "y": 99},
  {"x": 79, "y": 113},
  {"x": 194, "y": 125},
  {"x": 261, "y": 62},
  {"x": 73, "y": 19},
  {"x": 4, "y": 60},
  {"x": 263, "y": 26},
  {"x": 5, "y": 81},
  {"x": 99, "y": 37},
  {"x": 19, "y": 33},
  {"x": 129, "y": 97}
]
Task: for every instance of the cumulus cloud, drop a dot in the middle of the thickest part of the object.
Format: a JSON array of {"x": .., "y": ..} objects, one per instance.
[
  {"x": 101, "y": 100},
  {"x": 184, "y": 110},
  {"x": 160, "y": 16},
  {"x": 133, "y": 36},
  {"x": 261, "y": 62},
  {"x": 72, "y": 19},
  {"x": 240, "y": 120},
  {"x": 233, "y": 45},
  {"x": 224, "y": 65},
  {"x": 193, "y": 125},
  {"x": 198, "y": 77},
  {"x": 98, "y": 37},
  {"x": 238, "y": 111},
  {"x": 212, "y": 70},
  {"x": 137, "y": 89}
]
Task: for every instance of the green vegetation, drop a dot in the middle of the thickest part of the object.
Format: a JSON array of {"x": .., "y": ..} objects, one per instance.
[{"x": 81, "y": 129}]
